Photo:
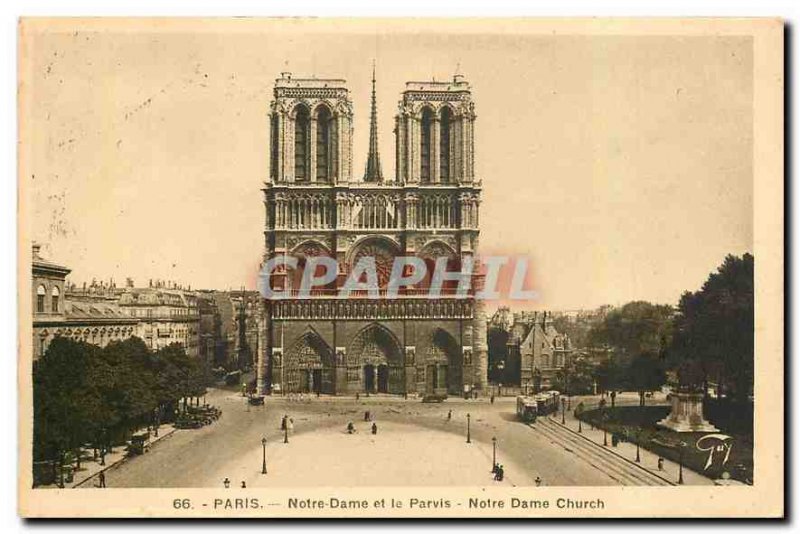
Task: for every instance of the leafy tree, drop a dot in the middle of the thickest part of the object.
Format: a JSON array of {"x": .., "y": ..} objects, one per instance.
[
  {"x": 575, "y": 379},
  {"x": 636, "y": 328},
  {"x": 497, "y": 340},
  {"x": 609, "y": 376},
  {"x": 65, "y": 401},
  {"x": 645, "y": 374},
  {"x": 83, "y": 393},
  {"x": 714, "y": 331}
]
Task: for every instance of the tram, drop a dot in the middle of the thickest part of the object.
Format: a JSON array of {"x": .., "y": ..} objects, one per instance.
[
  {"x": 547, "y": 402},
  {"x": 526, "y": 409}
]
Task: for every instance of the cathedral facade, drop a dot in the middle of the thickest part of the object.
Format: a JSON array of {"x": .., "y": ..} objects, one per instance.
[{"x": 404, "y": 344}]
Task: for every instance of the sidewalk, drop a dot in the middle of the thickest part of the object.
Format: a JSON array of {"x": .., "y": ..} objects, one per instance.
[
  {"x": 91, "y": 468},
  {"x": 627, "y": 450}
]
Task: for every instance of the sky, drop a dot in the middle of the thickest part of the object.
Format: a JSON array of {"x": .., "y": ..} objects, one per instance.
[{"x": 621, "y": 166}]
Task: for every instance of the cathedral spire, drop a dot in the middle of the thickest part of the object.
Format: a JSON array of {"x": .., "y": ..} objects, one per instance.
[{"x": 373, "y": 173}]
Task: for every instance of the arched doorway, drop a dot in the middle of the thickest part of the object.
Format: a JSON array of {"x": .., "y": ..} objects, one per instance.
[
  {"x": 383, "y": 379},
  {"x": 369, "y": 378},
  {"x": 309, "y": 366},
  {"x": 443, "y": 369},
  {"x": 376, "y": 358}
]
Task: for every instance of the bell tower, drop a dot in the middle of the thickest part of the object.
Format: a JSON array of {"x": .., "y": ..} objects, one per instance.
[
  {"x": 311, "y": 131},
  {"x": 434, "y": 129}
]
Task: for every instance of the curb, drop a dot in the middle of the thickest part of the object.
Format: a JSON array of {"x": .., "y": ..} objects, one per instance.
[{"x": 120, "y": 461}]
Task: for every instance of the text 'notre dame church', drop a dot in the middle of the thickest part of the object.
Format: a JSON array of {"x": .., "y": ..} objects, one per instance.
[{"x": 403, "y": 344}]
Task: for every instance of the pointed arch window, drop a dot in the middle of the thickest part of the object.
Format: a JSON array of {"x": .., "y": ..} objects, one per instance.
[
  {"x": 301, "y": 144},
  {"x": 323, "y": 154},
  {"x": 425, "y": 140},
  {"x": 444, "y": 145},
  {"x": 274, "y": 146}
]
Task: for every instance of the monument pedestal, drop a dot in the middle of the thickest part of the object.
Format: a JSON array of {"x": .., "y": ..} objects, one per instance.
[{"x": 687, "y": 414}]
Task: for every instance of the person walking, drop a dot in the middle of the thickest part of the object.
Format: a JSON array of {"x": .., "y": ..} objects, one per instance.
[
  {"x": 374, "y": 428},
  {"x": 491, "y": 399},
  {"x": 499, "y": 473},
  {"x": 350, "y": 427},
  {"x": 283, "y": 422},
  {"x": 449, "y": 415},
  {"x": 290, "y": 425},
  {"x": 538, "y": 481},
  {"x": 102, "y": 477}
]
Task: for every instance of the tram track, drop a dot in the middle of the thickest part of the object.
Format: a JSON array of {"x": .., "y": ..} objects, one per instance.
[{"x": 620, "y": 469}]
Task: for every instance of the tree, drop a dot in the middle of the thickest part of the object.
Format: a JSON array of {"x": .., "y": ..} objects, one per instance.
[
  {"x": 636, "y": 328},
  {"x": 609, "y": 376},
  {"x": 497, "y": 340},
  {"x": 64, "y": 399},
  {"x": 645, "y": 374},
  {"x": 714, "y": 331}
]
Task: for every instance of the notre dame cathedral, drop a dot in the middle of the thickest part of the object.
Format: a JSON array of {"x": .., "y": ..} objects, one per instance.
[{"x": 314, "y": 206}]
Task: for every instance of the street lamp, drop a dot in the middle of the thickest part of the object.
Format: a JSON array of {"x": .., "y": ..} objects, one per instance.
[
  {"x": 494, "y": 454},
  {"x": 580, "y": 429},
  {"x": 681, "y": 445},
  {"x": 264, "y": 456},
  {"x": 563, "y": 410},
  {"x": 638, "y": 433},
  {"x": 468, "y": 436}
]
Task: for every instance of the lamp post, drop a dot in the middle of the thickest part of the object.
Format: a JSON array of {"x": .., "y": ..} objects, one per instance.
[
  {"x": 563, "y": 410},
  {"x": 468, "y": 436},
  {"x": 580, "y": 429},
  {"x": 264, "y": 456},
  {"x": 494, "y": 454},
  {"x": 638, "y": 432},
  {"x": 681, "y": 445}
]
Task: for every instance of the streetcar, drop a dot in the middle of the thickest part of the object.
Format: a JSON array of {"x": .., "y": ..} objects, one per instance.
[
  {"x": 547, "y": 402},
  {"x": 526, "y": 409}
]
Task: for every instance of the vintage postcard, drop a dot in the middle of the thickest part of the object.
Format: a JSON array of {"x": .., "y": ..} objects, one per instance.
[{"x": 398, "y": 268}]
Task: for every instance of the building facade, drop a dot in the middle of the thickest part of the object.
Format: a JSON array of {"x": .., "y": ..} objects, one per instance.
[
  {"x": 164, "y": 316},
  {"x": 90, "y": 316},
  {"x": 316, "y": 206},
  {"x": 534, "y": 349}
]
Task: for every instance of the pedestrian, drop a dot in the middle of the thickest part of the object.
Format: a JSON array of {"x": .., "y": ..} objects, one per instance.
[
  {"x": 374, "y": 428},
  {"x": 226, "y": 483},
  {"x": 499, "y": 474},
  {"x": 357, "y": 395},
  {"x": 660, "y": 464},
  {"x": 366, "y": 415},
  {"x": 449, "y": 414},
  {"x": 491, "y": 399},
  {"x": 244, "y": 486},
  {"x": 538, "y": 481},
  {"x": 102, "y": 478},
  {"x": 350, "y": 427},
  {"x": 290, "y": 425},
  {"x": 283, "y": 422}
]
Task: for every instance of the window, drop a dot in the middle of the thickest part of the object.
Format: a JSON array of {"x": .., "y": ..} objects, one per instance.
[
  {"x": 425, "y": 145},
  {"x": 41, "y": 292},
  {"x": 55, "y": 294},
  {"x": 444, "y": 146},
  {"x": 274, "y": 149},
  {"x": 301, "y": 142},
  {"x": 323, "y": 144}
]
